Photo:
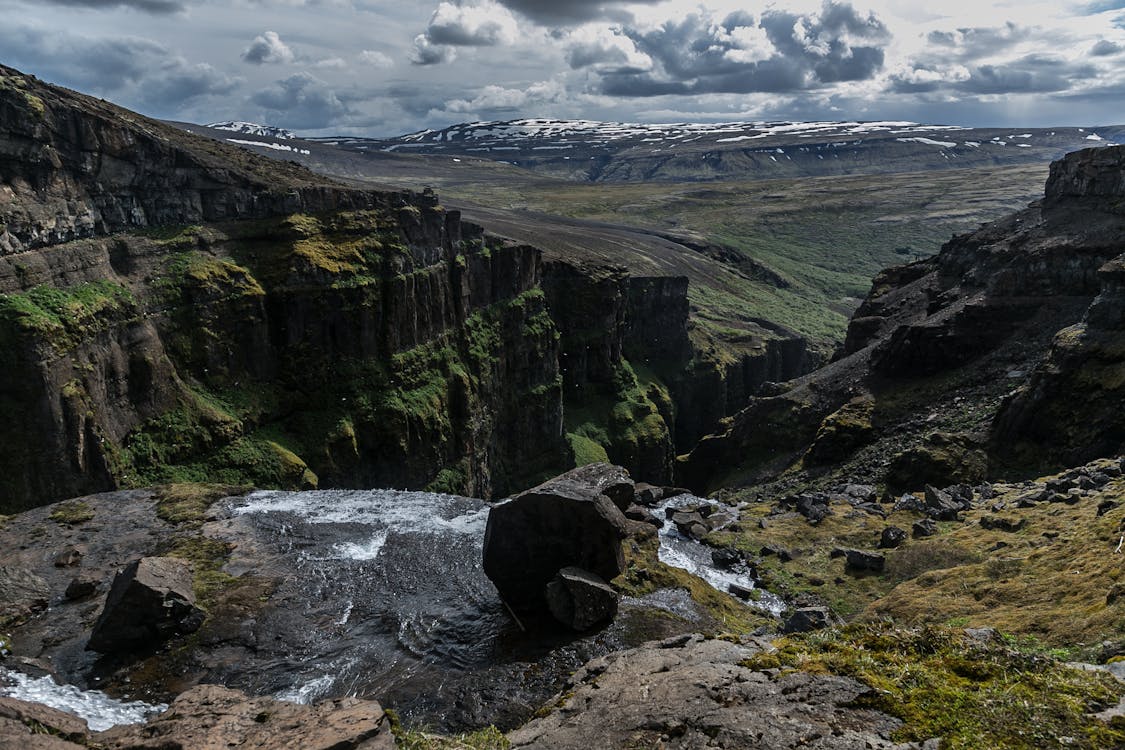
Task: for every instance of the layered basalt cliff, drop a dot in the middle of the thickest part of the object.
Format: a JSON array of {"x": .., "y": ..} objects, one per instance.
[
  {"x": 952, "y": 335},
  {"x": 173, "y": 309}
]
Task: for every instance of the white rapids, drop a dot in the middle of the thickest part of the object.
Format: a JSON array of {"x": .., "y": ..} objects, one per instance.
[{"x": 100, "y": 711}]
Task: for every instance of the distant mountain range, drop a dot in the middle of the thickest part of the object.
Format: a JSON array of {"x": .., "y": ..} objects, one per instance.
[{"x": 592, "y": 151}]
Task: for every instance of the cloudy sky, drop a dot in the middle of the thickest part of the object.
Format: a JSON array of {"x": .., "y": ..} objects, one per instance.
[{"x": 384, "y": 67}]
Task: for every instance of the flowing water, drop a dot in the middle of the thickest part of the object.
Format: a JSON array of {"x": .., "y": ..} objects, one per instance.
[
  {"x": 99, "y": 710},
  {"x": 384, "y": 595}
]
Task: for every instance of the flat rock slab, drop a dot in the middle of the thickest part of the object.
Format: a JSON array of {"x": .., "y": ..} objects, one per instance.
[
  {"x": 22, "y": 726},
  {"x": 211, "y": 717},
  {"x": 22, "y": 594},
  {"x": 693, "y": 693}
]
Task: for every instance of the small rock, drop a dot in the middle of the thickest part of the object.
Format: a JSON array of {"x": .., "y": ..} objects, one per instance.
[
  {"x": 863, "y": 560},
  {"x": 742, "y": 592},
  {"x": 892, "y": 537},
  {"x": 924, "y": 527},
  {"x": 579, "y": 599},
  {"x": 1105, "y": 506},
  {"x": 862, "y": 492},
  {"x": 81, "y": 587},
  {"x": 993, "y": 523},
  {"x": 647, "y": 494},
  {"x": 910, "y": 503},
  {"x": 640, "y": 513},
  {"x": 725, "y": 557},
  {"x": 773, "y": 549},
  {"x": 806, "y": 619},
  {"x": 69, "y": 557}
]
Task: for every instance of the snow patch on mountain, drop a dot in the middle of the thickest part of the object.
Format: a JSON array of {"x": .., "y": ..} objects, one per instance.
[{"x": 253, "y": 128}]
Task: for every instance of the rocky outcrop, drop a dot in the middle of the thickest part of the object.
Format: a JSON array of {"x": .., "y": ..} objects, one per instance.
[
  {"x": 72, "y": 166},
  {"x": 323, "y": 335},
  {"x": 565, "y": 522},
  {"x": 150, "y": 601},
  {"x": 22, "y": 594},
  {"x": 208, "y": 717},
  {"x": 579, "y": 599},
  {"x": 980, "y": 311},
  {"x": 691, "y": 692}
]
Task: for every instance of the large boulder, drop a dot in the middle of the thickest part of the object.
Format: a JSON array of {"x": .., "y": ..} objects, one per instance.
[
  {"x": 580, "y": 600},
  {"x": 612, "y": 481},
  {"x": 565, "y": 522},
  {"x": 150, "y": 601}
]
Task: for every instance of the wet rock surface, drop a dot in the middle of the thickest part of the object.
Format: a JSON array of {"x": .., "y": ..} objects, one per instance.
[{"x": 693, "y": 693}]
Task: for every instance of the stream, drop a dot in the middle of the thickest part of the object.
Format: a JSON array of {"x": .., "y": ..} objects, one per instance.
[{"x": 383, "y": 595}]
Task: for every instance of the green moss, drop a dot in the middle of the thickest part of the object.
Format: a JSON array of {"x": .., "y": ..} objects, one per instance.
[
  {"x": 489, "y": 738},
  {"x": 72, "y": 513},
  {"x": 585, "y": 450},
  {"x": 973, "y": 693},
  {"x": 207, "y": 557},
  {"x": 187, "y": 504},
  {"x": 66, "y": 316}
]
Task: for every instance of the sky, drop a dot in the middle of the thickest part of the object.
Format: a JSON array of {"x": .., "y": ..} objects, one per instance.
[{"x": 386, "y": 67}]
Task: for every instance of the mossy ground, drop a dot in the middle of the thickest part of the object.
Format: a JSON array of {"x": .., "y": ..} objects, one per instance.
[
  {"x": 64, "y": 316},
  {"x": 1054, "y": 579},
  {"x": 415, "y": 738},
  {"x": 72, "y": 513},
  {"x": 976, "y": 693}
]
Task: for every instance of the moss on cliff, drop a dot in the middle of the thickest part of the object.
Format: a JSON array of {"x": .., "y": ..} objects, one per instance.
[{"x": 64, "y": 316}]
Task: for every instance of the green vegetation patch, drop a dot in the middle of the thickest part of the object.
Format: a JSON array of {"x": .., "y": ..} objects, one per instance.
[
  {"x": 488, "y": 738},
  {"x": 187, "y": 504},
  {"x": 972, "y": 691},
  {"x": 65, "y": 317},
  {"x": 72, "y": 513},
  {"x": 207, "y": 557}
]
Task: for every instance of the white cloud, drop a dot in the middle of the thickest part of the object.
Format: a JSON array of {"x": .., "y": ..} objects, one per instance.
[
  {"x": 268, "y": 48},
  {"x": 376, "y": 59}
]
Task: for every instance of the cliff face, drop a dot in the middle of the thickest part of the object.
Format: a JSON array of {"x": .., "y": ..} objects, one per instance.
[
  {"x": 173, "y": 309},
  {"x": 951, "y": 336}
]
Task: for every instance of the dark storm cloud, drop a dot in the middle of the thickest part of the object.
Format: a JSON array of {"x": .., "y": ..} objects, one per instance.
[
  {"x": 1105, "y": 48},
  {"x": 696, "y": 56},
  {"x": 148, "y": 6},
  {"x": 572, "y": 12},
  {"x": 1031, "y": 74},
  {"x": 302, "y": 101},
  {"x": 973, "y": 43},
  {"x": 181, "y": 84}
]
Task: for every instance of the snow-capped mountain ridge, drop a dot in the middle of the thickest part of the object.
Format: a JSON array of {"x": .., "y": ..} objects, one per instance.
[{"x": 253, "y": 128}]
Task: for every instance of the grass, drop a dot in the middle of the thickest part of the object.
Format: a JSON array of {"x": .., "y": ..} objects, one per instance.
[
  {"x": 207, "y": 557},
  {"x": 974, "y": 693},
  {"x": 489, "y": 738},
  {"x": 72, "y": 513}
]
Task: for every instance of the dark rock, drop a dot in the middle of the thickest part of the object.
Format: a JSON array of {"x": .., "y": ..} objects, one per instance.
[
  {"x": 892, "y": 537},
  {"x": 924, "y": 527},
  {"x": 910, "y": 503},
  {"x": 607, "y": 479},
  {"x": 698, "y": 531},
  {"x": 640, "y": 513},
  {"x": 1105, "y": 506},
  {"x": 564, "y": 522},
  {"x": 150, "y": 601},
  {"x": 684, "y": 521},
  {"x": 725, "y": 557},
  {"x": 872, "y": 509},
  {"x": 69, "y": 557},
  {"x": 580, "y": 599},
  {"x": 742, "y": 592},
  {"x": 862, "y": 492},
  {"x": 773, "y": 549},
  {"x": 942, "y": 458},
  {"x": 863, "y": 560},
  {"x": 1002, "y": 524},
  {"x": 82, "y": 587},
  {"x": 941, "y": 505},
  {"x": 718, "y": 520},
  {"x": 808, "y": 618},
  {"x": 668, "y": 493},
  {"x": 647, "y": 494},
  {"x": 22, "y": 594},
  {"x": 813, "y": 507}
]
